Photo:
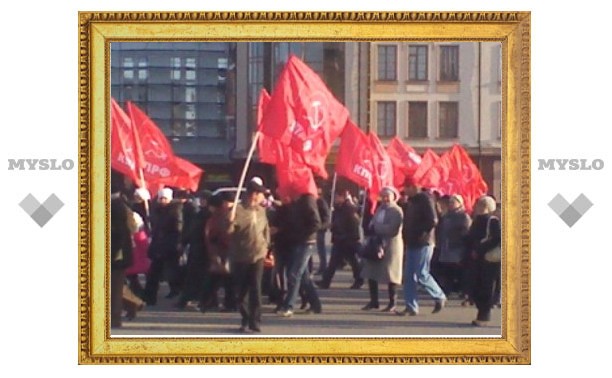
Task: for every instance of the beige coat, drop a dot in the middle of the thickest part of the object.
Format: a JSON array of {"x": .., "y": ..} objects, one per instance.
[{"x": 387, "y": 223}]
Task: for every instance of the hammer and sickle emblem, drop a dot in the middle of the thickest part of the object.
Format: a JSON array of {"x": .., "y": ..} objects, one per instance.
[{"x": 316, "y": 117}]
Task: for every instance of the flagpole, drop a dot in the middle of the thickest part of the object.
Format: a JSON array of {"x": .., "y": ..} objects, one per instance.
[
  {"x": 365, "y": 196},
  {"x": 146, "y": 202},
  {"x": 244, "y": 171},
  {"x": 333, "y": 192}
]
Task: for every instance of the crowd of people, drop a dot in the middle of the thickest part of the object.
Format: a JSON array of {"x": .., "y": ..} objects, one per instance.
[{"x": 200, "y": 244}]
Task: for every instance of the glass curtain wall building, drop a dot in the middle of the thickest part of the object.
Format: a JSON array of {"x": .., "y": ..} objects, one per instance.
[{"x": 203, "y": 95}]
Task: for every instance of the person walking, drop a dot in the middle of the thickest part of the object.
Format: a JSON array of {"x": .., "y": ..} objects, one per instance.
[
  {"x": 305, "y": 224},
  {"x": 166, "y": 246},
  {"x": 484, "y": 236},
  {"x": 197, "y": 260},
  {"x": 345, "y": 241},
  {"x": 122, "y": 228},
  {"x": 217, "y": 243},
  {"x": 452, "y": 231},
  {"x": 249, "y": 241},
  {"x": 386, "y": 224},
  {"x": 419, "y": 224}
]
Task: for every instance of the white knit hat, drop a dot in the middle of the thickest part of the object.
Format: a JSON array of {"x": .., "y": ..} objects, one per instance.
[
  {"x": 165, "y": 193},
  {"x": 142, "y": 194}
]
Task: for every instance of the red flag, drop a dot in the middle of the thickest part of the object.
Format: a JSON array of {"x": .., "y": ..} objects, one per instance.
[
  {"x": 355, "y": 156},
  {"x": 383, "y": 168},
  {"x": 464, "y": 177},
  {"x": 188, "y": 175},
  {"x": 160, "y": 160},
  {"x": 428, "y": 160},
  {"x": 456, "y": 173},
  {"x": 294, "y": 176},
  {"x": 303, "y": 113},
  {"x": 266, "y": 145},
  {"x": 405, "y": 161},
  {"x": 126, "y": 152}
]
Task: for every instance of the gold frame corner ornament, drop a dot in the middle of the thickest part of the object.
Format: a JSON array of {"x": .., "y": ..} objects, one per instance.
[{"x": 98, "y": 29}]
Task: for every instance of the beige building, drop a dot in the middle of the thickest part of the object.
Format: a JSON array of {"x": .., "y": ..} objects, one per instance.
[{"x": 435, "y": 94}]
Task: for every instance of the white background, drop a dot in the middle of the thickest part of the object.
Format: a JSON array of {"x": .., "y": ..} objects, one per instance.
[{"x": 570, "y": 108}]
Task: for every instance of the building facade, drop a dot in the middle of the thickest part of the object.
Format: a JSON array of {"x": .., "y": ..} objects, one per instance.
[
  {"x": 436, "y": 94},
  {"x": 204, "y": 95}
]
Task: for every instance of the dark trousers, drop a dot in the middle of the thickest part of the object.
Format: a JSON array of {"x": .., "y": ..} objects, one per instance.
[
  {"x": 195, "y": 274},
  {"x": 210, "y": 291},
  {"x": 342, "y": 252},
  {"x": 391, "y": 287},
  {"x": 469, "y": 271},
  {"x": 484, "y": 288},
  {"x": 449, "y": 276},
  {"x": 157, "y": 270},
  {"x": 247, "y": 278},
  {"x": 116, "y": 300}
]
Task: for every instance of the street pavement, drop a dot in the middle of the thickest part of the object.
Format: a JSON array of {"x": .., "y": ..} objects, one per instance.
[{"x": 342, "y": 316}]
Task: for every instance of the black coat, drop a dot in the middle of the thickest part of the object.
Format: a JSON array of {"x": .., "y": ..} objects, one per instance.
[
  {"x": 167, "y": 225},
  {"x": 345, "y": 223},
  {"x": 282, "y": 240},
  {"x": 420, "y": 219},
  {"x": 305, "y": 219},
  {"x": 478, "y": 231},
  {"x": 324, "y": 213}
]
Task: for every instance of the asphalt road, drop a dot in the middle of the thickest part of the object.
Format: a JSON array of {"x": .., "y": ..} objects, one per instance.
[{"x": 342, "y": 316}]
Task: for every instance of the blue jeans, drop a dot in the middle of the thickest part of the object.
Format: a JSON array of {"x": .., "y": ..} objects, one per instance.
[
  {"x": 298, "y": 274},
  {"x": 417, "y": 270},
  {"x": 321, "y": 251}
]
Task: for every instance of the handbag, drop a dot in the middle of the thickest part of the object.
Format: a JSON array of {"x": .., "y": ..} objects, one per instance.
[
  {"x": 493, "y": 255},
  {"x": 373, "y": 249}
]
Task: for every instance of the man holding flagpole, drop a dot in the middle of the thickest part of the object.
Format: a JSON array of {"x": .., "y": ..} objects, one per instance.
[{"x": 249, "y": 241}]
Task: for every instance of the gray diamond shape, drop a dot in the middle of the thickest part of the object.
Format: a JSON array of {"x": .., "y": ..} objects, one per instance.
[
  {"x": 29, "y": 204},
  {"x": 53, "y": 204},
  {"x": 570, "y": 216},
  {"x": 558, "y": 204},
  {"x": 582, "y": 204},
  {"x": 42, "y": 216}
]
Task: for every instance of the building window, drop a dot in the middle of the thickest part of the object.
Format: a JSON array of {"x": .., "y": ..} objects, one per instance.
[
  {"x": 190, "y": 69},
  {"x": 282, "y": 51},
  {"x": 128, "y": 71},
  {"x": 417, "y": 119},
  {"x": 449, "y": 63},
  {"x": 449, "y": 120},
  {"x": 387, "y": 63},
  {"x": 175, "y": 73},
  {"x": 143, "y": 72},
  {"x": 386, "y": 113},
  {"x": 190, "y": 94},
  {"x": 417, "y": 63}
]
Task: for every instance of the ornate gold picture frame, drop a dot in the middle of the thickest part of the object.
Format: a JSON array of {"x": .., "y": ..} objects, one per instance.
[{"x": 98, "y": 29}]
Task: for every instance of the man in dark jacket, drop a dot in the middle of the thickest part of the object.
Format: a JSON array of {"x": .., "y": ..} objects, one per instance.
[
  {"x": 306, "y": 223},
  {"x": 420, "y": 220},
  {"x": 166, "y": 246},
  {"x": 193, "y": 235},
  {"x": 345, "y": 240}
]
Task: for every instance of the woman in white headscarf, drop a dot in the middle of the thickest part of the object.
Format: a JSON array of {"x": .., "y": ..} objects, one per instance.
[
  {"x": 387, "y": 224},
  {"x": 484, "y": 238}
]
